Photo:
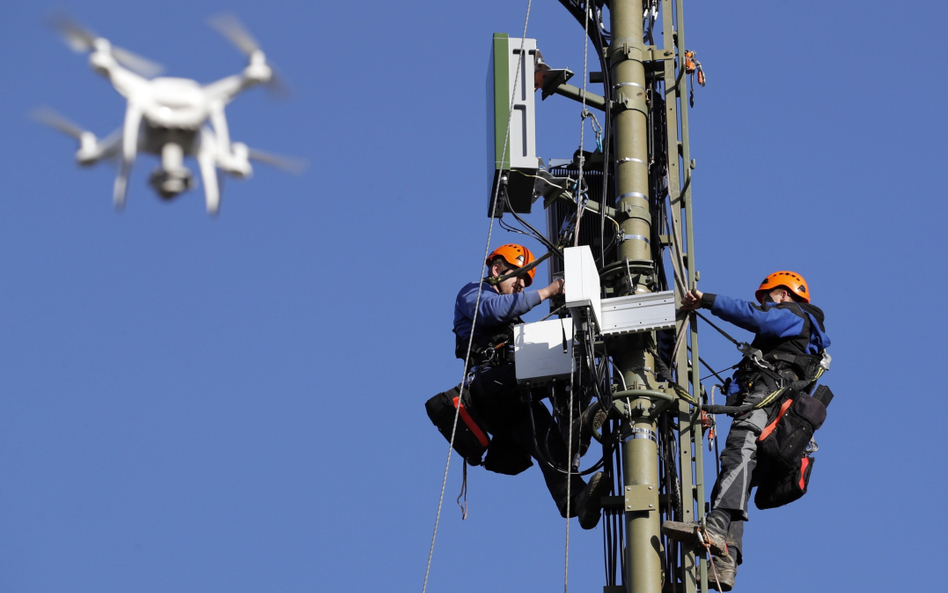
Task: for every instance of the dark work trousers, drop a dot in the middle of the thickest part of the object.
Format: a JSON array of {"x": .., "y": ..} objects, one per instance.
[
  {"x": 737, "y": 477},
  {"x": 496, "y": 398}
]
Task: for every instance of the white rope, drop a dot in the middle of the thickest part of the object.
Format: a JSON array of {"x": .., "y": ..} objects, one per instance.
[
  {"x": 579, "y": 216},
  {"x": 470, "y": 341},
  {"x": 582, "y": 132}
]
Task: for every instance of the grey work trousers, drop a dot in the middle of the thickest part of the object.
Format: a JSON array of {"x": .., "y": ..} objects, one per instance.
[{"x": 732, "y": 489}]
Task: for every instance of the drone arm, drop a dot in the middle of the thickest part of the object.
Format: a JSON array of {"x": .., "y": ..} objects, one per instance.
[
  {"x": 225, "y": 89},
  {"x": 97, "y": 150},
  {"x": 124, "y": 80},
  {"x": 133, "y": 120},
  {"x": 207, "y": 163},
  {"x": 219, "y": 121},
  {"x": 110, "y": 145}
]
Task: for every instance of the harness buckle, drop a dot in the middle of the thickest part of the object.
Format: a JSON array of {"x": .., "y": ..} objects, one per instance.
[{"x": 754, "y": 355}]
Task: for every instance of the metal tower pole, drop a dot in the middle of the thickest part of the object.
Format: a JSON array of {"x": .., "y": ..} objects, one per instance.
[{"x": 627, "y": 54}]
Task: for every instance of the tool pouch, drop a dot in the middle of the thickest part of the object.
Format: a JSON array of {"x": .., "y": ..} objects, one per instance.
[
  {"x": 784, "y": 484},
  {"x": 505, "y": 456},
  {"x": 790, "y": 428},
  {"x": 471, "y": 438}
]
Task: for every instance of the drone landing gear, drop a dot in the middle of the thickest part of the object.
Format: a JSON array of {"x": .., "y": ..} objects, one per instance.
[{"x": 169, "y": 184}]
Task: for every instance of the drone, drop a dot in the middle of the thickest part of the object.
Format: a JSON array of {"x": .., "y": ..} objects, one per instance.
[{"x": 169, "y": 117}]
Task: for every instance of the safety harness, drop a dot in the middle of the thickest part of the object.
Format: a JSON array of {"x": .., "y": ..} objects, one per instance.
[
  {"x": 780, "y": 369},
  {"x": 493, "y": 349}
]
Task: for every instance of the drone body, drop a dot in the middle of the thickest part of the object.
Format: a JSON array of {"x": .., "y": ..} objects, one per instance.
[{"x": 169, "y": 117}]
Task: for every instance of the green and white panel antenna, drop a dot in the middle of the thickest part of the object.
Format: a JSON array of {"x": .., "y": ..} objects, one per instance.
[{"x": 512, "y": 65}]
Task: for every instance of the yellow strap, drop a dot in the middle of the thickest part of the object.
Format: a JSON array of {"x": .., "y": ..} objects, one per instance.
[{"x": 769, "y": 399}]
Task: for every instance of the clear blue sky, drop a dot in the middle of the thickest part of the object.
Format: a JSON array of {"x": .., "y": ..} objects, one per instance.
[{"x": 236, "y": 404}]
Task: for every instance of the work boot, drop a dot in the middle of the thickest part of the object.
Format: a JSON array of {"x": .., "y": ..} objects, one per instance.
[
  {"x": 686, "y": 532},
  {"x": 726, "y": 567},
  {"x": 590, "y": 500}
]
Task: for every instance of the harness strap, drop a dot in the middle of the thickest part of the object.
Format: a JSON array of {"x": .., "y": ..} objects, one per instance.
[{"x": 769, "y": 399}]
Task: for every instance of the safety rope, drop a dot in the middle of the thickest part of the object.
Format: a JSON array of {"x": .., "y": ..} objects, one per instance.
[
  {"x": 721, "y": 331},
  {"x": 579, "y": 217},
  {"x": 715, "y": 373},
  {"x": 470, "y": 342},
  {"x": 580, "y": 204},
  {"x": 706, "y": 542}
]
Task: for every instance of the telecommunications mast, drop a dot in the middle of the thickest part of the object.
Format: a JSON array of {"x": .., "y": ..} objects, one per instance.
[{"x": 627, "y": 208}]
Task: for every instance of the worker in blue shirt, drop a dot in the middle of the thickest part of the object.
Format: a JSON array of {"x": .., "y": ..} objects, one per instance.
[
  {"x": 495, "y": 394},
  {"x": 787, "y": 330}
]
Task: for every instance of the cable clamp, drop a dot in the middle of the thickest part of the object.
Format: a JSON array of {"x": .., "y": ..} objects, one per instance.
[{"x": 640, "y": 433}]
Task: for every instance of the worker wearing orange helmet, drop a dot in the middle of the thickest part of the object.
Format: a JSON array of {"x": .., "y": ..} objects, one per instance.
[
  {"x": 502, "y": 297},
  {"x": 515, "y": 423},
  {"x": 789, "y": 333}
]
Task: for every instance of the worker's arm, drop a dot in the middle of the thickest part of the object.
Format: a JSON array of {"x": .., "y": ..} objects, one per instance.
[
  {"x": 778, "y": 322},
  {"x": 496, "y": 308},
  {"x": 768, "y": 322}
]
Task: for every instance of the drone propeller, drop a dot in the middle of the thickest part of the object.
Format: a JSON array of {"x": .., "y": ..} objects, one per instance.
[
  {"x": 276, "y": 86},
  {"x": 91, "y": 149},
  {"x": 82, "y": 40},
  {"x": 227, "y": 25},
  {"x": 285, "y": 163},
  {"x": 53, "y": 119},
  {"x": 230, "y": 27},
  {"x": 78, "y": 38},
  {"x": 132, "y": 61}
]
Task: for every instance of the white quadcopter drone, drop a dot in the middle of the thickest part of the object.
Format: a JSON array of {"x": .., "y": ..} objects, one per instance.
[{"x": 169, "y": 117}]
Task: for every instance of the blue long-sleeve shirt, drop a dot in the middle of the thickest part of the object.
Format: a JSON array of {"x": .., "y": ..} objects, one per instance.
[
  {"x": 772, "y": 320},
  {"x": 494, "y": 310}
]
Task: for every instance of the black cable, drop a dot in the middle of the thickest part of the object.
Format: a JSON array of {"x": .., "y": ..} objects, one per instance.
[
  {"x": 512, "y": 229},
  {"x": 543, "y": 454},
  {"x": 536, "y": 234}
]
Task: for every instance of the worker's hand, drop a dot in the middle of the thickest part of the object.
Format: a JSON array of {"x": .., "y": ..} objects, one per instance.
[
  {"x": 557, "y": 287},
  {"x": 691, "y": 301}
]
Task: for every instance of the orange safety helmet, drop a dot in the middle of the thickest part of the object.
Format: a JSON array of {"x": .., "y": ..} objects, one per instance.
[
  {"x": 791, "y": 280},
  {"x": 516, "y": 256}
]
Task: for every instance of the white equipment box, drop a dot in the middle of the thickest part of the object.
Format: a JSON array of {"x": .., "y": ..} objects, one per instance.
[
  {"x": 543, "y": 350},
  {"x": 582, "y": 281},
  {"x": 638, "y": 313},
  {"x": 614, "y": 316}
]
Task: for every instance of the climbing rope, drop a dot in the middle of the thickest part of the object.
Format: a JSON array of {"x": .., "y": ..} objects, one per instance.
[
  {"x": 706, "y": 542},
  {"x": 470, "y": 342},
  {"x": 580, "y": 204}
]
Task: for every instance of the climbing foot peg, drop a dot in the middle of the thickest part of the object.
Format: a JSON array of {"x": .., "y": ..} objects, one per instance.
[{"x": 692, "y": 533}]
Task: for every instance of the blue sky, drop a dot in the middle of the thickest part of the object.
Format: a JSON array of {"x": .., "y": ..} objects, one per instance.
[{"x": 235, "y": 404}]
